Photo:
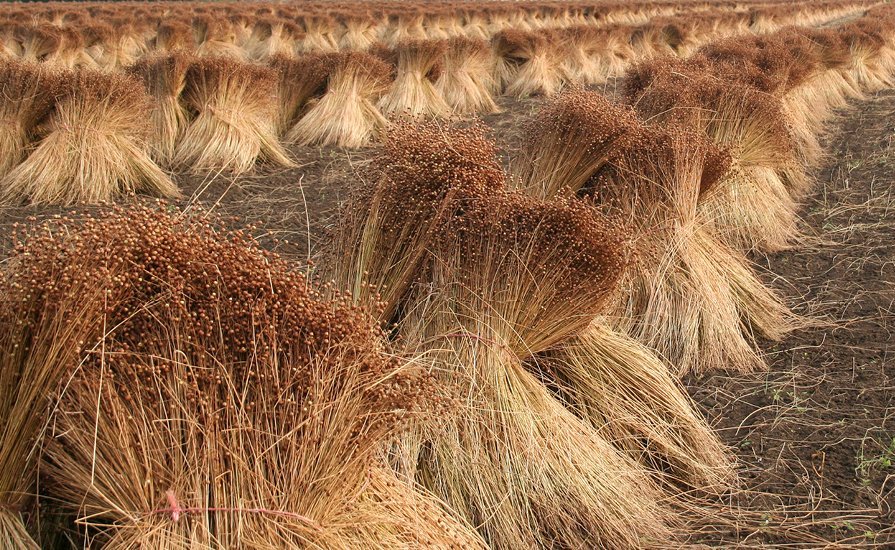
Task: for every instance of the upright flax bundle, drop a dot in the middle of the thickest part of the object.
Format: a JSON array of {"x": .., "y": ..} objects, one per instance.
[
  {"x": 466, "y": 82},
  {"x": 164, "y": 78},
  {"x": 346, "y": 114},
  {"x": 414, "y": 91},
  {"x": 92, "y": 147},
  {"x": 235, "y": 113}
]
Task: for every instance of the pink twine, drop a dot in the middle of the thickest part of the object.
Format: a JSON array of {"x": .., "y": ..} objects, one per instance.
[{"x": 176, "y": 510}]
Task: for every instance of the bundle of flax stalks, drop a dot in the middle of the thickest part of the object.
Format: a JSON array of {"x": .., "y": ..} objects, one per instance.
[
  {"x": 513, "y": 276},
  {"x": 51, "y": 309},
  {"x": 211, "y": 398},
  {"x": 433, "y": 190},
  {"x": 301, "y": 82},
  {"x": 92, "y": 147},
  {"x": 27, "y": 94},
  {"x": 164, "y": 78},
  {"x": 755, "y": 209},
  {"x": 422, "y": 177},
  {"x": 466, "y": 82},
  {"x": 235, "y": 120},
  {"x": 688, "y": 295},
  {"x": 528, "y": 62},
  {"x": 414, "y": 91},
  {"x": 346, "y": 114}
]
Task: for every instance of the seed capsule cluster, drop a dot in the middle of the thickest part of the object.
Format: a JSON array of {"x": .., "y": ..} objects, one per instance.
[
  {"x": 423, "y": 176},
  {"x": 212, "y": 358},
  {"x": 665, "y": 90},
  {"x": 227, "y": 299}
]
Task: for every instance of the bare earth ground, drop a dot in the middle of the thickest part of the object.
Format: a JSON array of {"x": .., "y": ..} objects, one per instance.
[{"x": 815, "y": 434}]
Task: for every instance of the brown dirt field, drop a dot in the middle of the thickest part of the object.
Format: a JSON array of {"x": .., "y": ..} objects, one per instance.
[{"x": 815, "y": 434}]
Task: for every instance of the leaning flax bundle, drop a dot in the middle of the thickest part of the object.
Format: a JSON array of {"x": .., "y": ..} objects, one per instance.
[
  {"x": 777, "y": 64},
  {"x": 756, "y": 207},
  {"x": 218, "y": 400},
  {"x": 10, "y": 47},
  {"x": 546, "y": 166},
  {"x": 677, "y": 297},
  {"x": 234, "y": 126},
  {"x": 40, "y": 42},
  {"x": 835, "y": 54},
  {"x": 119, "y": 47},
  {"x": 413, "y": 92},
  {"x": 608, "y": 374},
  {"x": 592, "y": 54},
  {"x": 164, "y": 78},
  {"x": 512, "y": 276},
  {"x": 422, "y": 177},
  {"x": 27, "y": 93},
  {"x": 92, "y": 147},
  {"x": 870, "y": 41},
  {"x": 346, "y": 115},
  {"x": 318, "y": 33},
  {"x": 407, "y": 25},
  {"x": 673, "y": 35},
  {"x": 615, "y": 52},
  {"x": 622, "y": 388},
  {"x": 361, "y": 30}
]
